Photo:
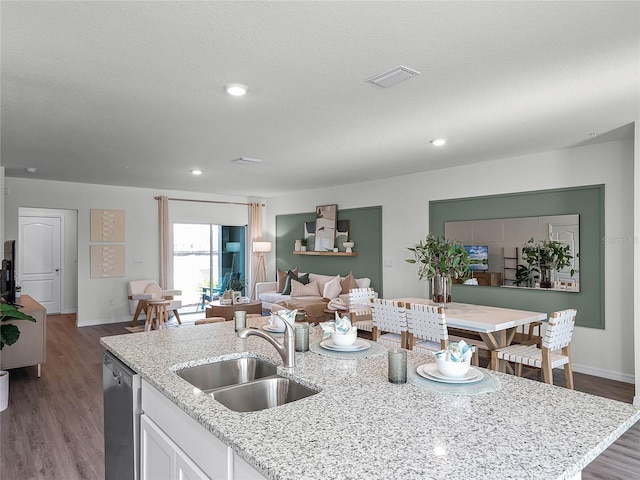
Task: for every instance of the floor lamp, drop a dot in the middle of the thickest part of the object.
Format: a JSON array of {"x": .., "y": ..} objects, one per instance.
[{"x": 261, "y": 270}]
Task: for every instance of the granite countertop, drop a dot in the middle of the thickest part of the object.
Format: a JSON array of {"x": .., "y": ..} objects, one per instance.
[{"x": 362, "y": 426}]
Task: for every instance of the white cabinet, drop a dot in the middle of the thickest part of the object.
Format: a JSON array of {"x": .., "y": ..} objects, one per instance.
[
  {"x": 161, "y": 458},
  {"x": 202, "y": 455}
]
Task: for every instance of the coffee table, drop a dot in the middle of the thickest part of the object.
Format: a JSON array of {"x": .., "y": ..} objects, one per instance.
[{"x": 214, "y": 309}]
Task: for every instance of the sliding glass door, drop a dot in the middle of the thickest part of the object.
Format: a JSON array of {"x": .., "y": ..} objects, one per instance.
[{"x": 207, "y": 259}]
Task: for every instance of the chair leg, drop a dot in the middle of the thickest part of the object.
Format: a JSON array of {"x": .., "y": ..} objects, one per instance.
[
  {"x": 138, "y": 311},
  {"x": 568, "y": 369},
  {"x": 148, "y": 323},
  {"x": 175, "y": 312},
  {"x": 518, "y": 369},
  {"x": 375, "y": 334},
  {"x": 493, "y": 363},
  {"x": 546, "y": 366}
]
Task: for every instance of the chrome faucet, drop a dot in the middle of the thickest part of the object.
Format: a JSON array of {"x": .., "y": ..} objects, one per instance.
[{"x": 286, "y": 349}]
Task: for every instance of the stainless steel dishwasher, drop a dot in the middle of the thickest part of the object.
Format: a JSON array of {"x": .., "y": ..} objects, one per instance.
[{"x": 122, "y": 407}]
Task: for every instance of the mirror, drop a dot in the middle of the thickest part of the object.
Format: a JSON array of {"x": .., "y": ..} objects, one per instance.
[{"x": 496, "y": 249}]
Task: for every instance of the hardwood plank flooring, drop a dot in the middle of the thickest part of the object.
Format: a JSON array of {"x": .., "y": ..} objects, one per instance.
[{"x": 53, "y": 427}]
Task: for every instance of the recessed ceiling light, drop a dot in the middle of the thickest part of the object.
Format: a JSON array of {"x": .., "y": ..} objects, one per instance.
[
  {"x": 30, "y": 170},
  {"x": 236, "y": 89},
  {"x": 246, "y": 161},
  {"x": 438, "y": 142},
  {"x": 196, "y": 171},
  {"x": 593, "y": 134}
]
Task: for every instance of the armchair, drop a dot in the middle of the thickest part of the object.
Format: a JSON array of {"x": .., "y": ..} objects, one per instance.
[{"x": 142, "y": 290}]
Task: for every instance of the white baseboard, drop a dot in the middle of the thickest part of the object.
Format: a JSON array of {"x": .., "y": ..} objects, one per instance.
[
  {"x": 599, "y": 372},
  {"x": 636, "y": 401},
  {"x": 69, "y": 311},
  {"x": 103, "y": 321}
]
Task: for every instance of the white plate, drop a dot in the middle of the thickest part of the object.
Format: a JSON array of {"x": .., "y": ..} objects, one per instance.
[
  {"x": 272, "y": 329},
  {"x": 430, "y": 371},
  {"x": 358, "y": 346}
]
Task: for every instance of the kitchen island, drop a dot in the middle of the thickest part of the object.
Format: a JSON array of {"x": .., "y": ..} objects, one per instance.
[{"x": 361, "y": 426}]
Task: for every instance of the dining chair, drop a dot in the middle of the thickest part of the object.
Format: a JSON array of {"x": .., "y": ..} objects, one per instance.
[
  {"x": 557, "y": 337},
  {"x": 389, "y": 319},
  {"x": 428, "y": 333},
  {"x": 360, "y": 306},
  {"x": 140, "y": 291}
]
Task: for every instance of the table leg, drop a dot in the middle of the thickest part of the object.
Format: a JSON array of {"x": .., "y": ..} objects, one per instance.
[{"x": 496, "y": 340}]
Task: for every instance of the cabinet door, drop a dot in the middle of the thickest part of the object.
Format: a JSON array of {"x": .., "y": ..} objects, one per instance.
[
  {"x": 157, "y": 452},
  {"x": 187, "y": 470}
]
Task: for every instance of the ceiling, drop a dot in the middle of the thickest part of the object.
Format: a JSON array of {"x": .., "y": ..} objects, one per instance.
[{"x": 131, "y": 93}]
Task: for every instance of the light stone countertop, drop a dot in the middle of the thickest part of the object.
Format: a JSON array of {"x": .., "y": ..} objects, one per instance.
[{"x": 360, "y": 426}]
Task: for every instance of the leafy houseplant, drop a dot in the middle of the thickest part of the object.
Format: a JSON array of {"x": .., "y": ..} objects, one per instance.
[
  {"x": 546, "y": 256},
  {"x": 440, "y": 260},
  {"x": 10, "y": 333}
]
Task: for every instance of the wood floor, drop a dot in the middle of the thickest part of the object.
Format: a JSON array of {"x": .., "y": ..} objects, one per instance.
[{"x": 53, "y": 426}]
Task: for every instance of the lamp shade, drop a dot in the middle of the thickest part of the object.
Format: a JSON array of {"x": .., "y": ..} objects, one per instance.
[
  {"x": 261, "y": 247},
  {"x": 233, "y": 247}
]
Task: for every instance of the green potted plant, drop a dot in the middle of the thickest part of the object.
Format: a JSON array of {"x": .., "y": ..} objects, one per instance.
[
  {"x": 440, "y": 260},
  {"x": 545, "y": 257},
  {"x": 303, "y": 244},
  {"x": 9, "y": 334}
]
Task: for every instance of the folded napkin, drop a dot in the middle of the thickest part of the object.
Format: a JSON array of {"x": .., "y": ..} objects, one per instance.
[
  {"x": 456, "y": 352},
  {"x": 341, "y": 326},
  {"x": 288, "y": 316}
]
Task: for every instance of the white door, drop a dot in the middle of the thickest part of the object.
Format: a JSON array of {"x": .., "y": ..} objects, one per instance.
[{"x": 39, "y": 262}]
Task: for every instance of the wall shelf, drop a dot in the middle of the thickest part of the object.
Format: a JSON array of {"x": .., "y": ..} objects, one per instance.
[{"x": 328, "y": 254}]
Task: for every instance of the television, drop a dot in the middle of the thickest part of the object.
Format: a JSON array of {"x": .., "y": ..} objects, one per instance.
[
  {"x": 479, "y": 257},
  {"x": 8, "y": 280}
]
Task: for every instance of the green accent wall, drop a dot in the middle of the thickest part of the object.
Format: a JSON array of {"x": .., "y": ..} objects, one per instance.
[
  {"x": 587, "y": 202},
  {"x": 365, "y": 230}
]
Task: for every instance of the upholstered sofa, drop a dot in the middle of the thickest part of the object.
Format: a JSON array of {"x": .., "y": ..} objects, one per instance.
[{"x": 313, "y": 297}]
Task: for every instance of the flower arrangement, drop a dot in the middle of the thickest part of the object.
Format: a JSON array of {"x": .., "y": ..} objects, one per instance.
[
  {"x": 440, "y": 256},
  {"x": 546, "y": 256}
]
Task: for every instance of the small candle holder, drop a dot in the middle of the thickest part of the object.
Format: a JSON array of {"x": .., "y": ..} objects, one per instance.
[
  {"x": 240, "y": 319},
  {"x": 397, "y": 365},
  {"x": 302, "y": 337}
]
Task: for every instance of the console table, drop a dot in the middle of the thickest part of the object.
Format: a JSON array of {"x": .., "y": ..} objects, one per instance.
[{"x": 31, "y": 347}]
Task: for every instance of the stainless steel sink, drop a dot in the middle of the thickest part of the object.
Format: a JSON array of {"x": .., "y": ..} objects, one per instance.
[
  {"x": 261, "y": 394},
  {"x": 216, "y": 375}
]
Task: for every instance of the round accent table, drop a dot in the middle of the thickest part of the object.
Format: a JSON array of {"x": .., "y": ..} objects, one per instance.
[{"x": 214, "y": 309}]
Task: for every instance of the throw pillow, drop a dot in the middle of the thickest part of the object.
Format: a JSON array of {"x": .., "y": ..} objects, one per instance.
[
  {"x": 291, "y": 275},
  {"x": 332, "y": 288},
  {"x": 155, "y": 290},
  {"x": 299, "y": 289},
  {"x": 348, "y": 283},
  {"x": 282, "y": 277}
]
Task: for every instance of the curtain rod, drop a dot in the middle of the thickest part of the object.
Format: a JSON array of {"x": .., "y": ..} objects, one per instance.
[{"x": 205, "y": 201}]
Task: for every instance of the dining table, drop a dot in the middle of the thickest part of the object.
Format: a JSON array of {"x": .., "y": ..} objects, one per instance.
[{"x": 495, "y": 325}]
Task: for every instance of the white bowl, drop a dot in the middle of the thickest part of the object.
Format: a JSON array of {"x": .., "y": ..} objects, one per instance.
[
  {"x": 345, "y": 339},
  {"x": 453, "y": 369}
]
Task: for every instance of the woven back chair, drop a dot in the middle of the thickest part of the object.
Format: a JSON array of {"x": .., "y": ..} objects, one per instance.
[
  {"x": 427, "y": 325},
  {"x": 389, "y": 322},
  {"x": 555, "y": 351},
  {"x": 360, "y": 306}
]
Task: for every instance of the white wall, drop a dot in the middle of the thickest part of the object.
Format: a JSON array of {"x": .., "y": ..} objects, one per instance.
[
  {"x": 104, "y": 300},
  {"x": 405, "y": 219}
]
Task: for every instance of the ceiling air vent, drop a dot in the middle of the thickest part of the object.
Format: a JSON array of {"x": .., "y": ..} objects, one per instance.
[
  {"x": 393, "y": 76},
  {"x": 246, "y": 161}
]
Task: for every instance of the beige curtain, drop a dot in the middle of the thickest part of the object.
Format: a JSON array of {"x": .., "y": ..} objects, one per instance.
[
  {"x": 165, "y": 248},
  {"x": 255, "y": 235}
]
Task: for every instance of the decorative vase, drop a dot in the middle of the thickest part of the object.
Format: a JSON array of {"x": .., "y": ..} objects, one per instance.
[
  {"x": 4, "y": 390},
  {"x": 349, "y": 246},
  {"x": 297, "y": 246},
  {"x": 545, "y": 278},
  {"x": 441, "y": 289}
]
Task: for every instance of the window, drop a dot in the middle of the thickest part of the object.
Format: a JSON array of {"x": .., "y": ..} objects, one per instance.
[{"x": 206, "y": 258}]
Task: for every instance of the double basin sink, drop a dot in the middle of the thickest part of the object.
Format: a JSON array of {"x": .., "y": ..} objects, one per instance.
[{"x": 245, "y": 384}]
